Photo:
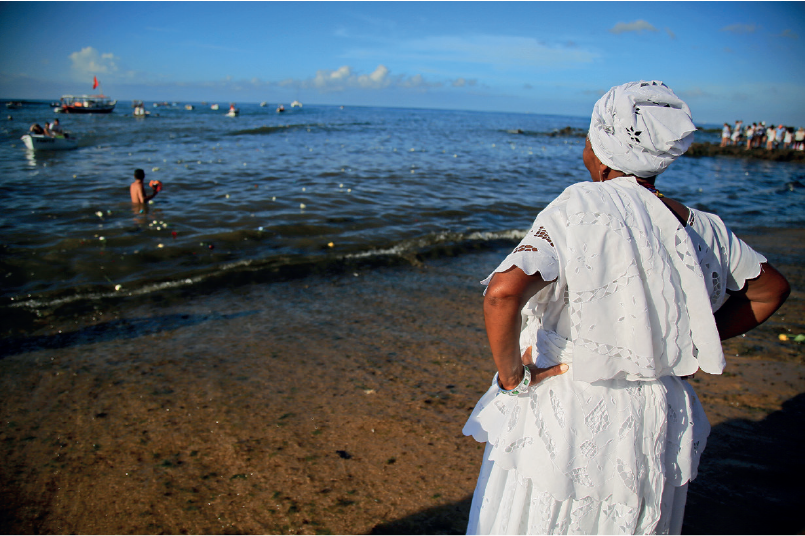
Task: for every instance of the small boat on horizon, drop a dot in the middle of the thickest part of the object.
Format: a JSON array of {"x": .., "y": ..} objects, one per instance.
[
  {"x": 296, "y": 104},
  {"x": 233, "y": 112},
  {"x": 263, "y": 104},
  {"x": 214, "y": 107},
  {"x": 280, "y": 108},
  {"x": 189, "y": 107}
]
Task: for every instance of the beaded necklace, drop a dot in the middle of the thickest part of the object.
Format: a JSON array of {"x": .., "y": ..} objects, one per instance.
[{"x": 650, "y": 188}]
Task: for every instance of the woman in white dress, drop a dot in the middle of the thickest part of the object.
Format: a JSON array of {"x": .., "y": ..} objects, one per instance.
[{"x": 614, "y": 296}]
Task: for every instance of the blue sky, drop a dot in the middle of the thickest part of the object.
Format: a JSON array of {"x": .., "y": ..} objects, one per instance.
[{"x": 727, "y": 60}]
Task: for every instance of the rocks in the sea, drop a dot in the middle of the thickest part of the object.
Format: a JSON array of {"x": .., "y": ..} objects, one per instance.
[
  {"x": 740, "y": 151},
  {"x": 568, "y": 132}
]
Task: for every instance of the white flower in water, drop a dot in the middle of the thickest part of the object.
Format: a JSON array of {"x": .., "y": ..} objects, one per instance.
[
  {"x": 118, "y": 287},
  {"x": 160, "y": 246},
  {"x": 155, "y": 169},
  {"x": 99, "y": 214},
  {"x": 302, "y": 206},
  {"x": 274, "y": 198},
  {"x": 101, "y": 238}
]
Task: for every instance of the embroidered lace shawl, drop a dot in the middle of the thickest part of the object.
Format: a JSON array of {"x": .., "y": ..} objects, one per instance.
[{"x": 640, "y": 287}]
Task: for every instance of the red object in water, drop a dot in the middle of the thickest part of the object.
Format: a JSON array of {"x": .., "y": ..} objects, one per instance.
[
  {"x": 211, "y": 246},
  {"x": 156, "y": 185},
  {"x": 174, "y": 234}
]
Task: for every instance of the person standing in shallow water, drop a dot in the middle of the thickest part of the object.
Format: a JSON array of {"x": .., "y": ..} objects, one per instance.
[
  {"x": 615, "y": 296},
  {"x": 137, "y": 189}
]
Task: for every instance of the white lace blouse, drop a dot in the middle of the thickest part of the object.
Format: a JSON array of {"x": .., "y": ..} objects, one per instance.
[{"x": 630, "y": 309}]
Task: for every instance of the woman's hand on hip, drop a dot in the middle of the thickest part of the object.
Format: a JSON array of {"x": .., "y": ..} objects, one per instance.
[{"x": 539, "y": 374}]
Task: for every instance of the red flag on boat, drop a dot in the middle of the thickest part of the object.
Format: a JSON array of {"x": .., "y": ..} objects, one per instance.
[{"x": 94, "y": 82}]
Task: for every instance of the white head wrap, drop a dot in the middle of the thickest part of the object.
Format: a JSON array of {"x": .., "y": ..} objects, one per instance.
[{"x": 640, "y": 128}]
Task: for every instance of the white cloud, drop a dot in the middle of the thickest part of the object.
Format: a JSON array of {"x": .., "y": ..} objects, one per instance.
[
  {"x": 638, "y": 26},
  {"x": 740, "y": 28},
  {"x": 463, "y": 82},
  {"x": 344, "y": 78},
  {"x": 89, "y": 62}
]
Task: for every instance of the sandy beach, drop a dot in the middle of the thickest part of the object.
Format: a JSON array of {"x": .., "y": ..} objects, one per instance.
[{"x": 333, "y": 404}]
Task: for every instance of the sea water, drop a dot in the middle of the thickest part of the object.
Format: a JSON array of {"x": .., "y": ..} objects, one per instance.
[{"x": 269, "y": 192}]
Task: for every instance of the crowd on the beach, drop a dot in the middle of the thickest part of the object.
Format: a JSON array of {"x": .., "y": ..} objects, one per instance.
[{"x": 759, "y": 135}]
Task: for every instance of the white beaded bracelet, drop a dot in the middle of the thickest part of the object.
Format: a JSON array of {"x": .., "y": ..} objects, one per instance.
[{"x": 520, "y": 387}]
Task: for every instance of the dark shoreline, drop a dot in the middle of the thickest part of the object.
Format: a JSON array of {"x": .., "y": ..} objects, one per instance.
[{"x": 740, "y": 151}]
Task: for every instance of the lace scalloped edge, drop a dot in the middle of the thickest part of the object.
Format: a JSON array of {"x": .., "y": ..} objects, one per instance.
[
  {"x": 529, "y": 264},
  {"x": 757, "y": 271}
]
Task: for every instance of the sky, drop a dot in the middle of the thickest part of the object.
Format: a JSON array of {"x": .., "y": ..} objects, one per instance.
[{"x": 728, "y": 61}]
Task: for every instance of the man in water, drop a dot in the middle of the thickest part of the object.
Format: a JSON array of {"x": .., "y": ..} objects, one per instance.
[{"x": 137, "y": 189}]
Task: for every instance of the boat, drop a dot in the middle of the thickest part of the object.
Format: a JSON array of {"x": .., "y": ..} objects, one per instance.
[
  {"x": 263, "y": 104},
  {"x": 296, "y": 104},
  {"x": 140, "y": 111},
  {"x": 188, "y": 107},
  {"x": 233, "y": 112},
  {"x": 280, "y": 108},
  {"x": 41, "y": 142},
  {"x": 15, "y": 105},
  {"x": 85, "y": 104},
  {"x": 214, "y": 107}
]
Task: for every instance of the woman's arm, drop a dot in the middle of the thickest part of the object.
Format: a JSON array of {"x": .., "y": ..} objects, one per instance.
[
  {"x": 754, "y": 304},
  {"x": 505, "y": 297}
]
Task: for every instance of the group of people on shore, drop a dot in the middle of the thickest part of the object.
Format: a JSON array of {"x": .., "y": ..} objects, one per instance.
[
  {"x": 758, "y": 135},
  {"x": 54, "y": 129}
]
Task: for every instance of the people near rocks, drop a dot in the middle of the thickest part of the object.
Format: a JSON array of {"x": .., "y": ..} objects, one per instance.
[
  {"x": 788, "y": 137},
  {"x": 799, "y": 139},
  {"x": 736, "y": 132},
  {"x": 725, "y": 135},
  {"x": 750, "y": 135},
  {"x": 779, "y": 136},
  {"x": 770, "y": 135}
]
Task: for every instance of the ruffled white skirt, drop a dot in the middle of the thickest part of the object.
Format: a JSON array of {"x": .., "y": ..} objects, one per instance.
[{"x": 569, "y": 457}]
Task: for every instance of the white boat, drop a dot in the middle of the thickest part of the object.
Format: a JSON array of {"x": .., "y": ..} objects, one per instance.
[
  {"x": 233, "y": 112},
  {"x": 280, "y": 108},
  {"x": 188, "y": 107},
  {"x": 139, "y": 111},
  {"x": 263, "y": 104},
  {"x": 296, "y": 104},
  {"x": 214, "y": 107},
  {"x": 40, "y": 142}
]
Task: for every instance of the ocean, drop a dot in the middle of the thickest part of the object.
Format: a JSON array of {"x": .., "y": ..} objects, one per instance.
[{"x": 269, "y": 195}]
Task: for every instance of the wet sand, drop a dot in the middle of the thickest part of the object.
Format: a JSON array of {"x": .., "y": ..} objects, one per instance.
[{"x": 334, "y": 404}]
